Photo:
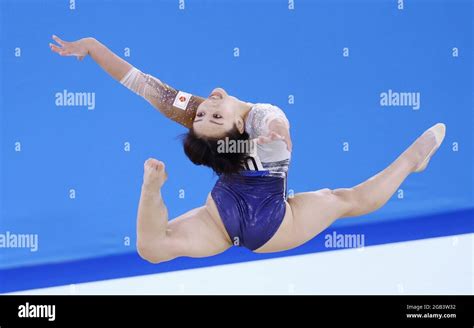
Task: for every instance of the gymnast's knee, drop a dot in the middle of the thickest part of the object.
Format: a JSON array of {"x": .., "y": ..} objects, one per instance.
[
  {"x": 344, "y": 194},
  {"x": 355, "y": 202},
  {"x": 154, "y": 252},
  {"x": 347, "y": 198}
]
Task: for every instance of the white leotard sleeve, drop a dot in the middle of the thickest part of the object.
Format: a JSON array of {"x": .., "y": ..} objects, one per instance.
[
  {"x": 274, "y": 156},
  {"x": 259, "y": 118}
]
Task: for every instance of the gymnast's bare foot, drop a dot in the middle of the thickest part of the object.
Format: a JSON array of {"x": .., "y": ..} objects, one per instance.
[
  {"x": 154, "y": 175},
  {"x": 424, "y": 147}
]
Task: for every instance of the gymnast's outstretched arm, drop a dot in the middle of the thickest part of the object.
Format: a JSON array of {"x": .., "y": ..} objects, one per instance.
[{"x": 177, "y": 105}]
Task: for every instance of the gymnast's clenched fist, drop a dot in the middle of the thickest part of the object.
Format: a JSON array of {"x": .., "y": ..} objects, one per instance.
[{"x": 154, "y": 175}]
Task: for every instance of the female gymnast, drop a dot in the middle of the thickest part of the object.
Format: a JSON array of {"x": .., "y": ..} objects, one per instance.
[{"x": 248, "y": 205}]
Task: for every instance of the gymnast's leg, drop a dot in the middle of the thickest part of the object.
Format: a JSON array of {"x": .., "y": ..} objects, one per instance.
[
  {"x": 310, "y": 213},
  {"x": 195, "y": 234}
]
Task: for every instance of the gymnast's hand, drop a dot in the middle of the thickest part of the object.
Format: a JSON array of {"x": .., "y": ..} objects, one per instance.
[
  {"x": 154, "y": 175},
  {"x": 75, "y": 48},
  {"x": 277, "y": 130}
]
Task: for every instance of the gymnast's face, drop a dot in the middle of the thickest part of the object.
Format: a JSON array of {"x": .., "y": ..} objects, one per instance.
[{"x": 217, "y": 115}]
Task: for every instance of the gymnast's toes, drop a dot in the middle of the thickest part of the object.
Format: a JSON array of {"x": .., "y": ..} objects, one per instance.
[{"x": 427, "y": 145}]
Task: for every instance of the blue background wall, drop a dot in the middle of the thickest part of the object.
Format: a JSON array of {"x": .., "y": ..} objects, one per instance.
[{"x": 282, "y": 52}]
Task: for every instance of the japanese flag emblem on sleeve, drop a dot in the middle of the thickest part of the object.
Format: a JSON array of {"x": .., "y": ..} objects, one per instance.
[{"x": 182, "y": 99}]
